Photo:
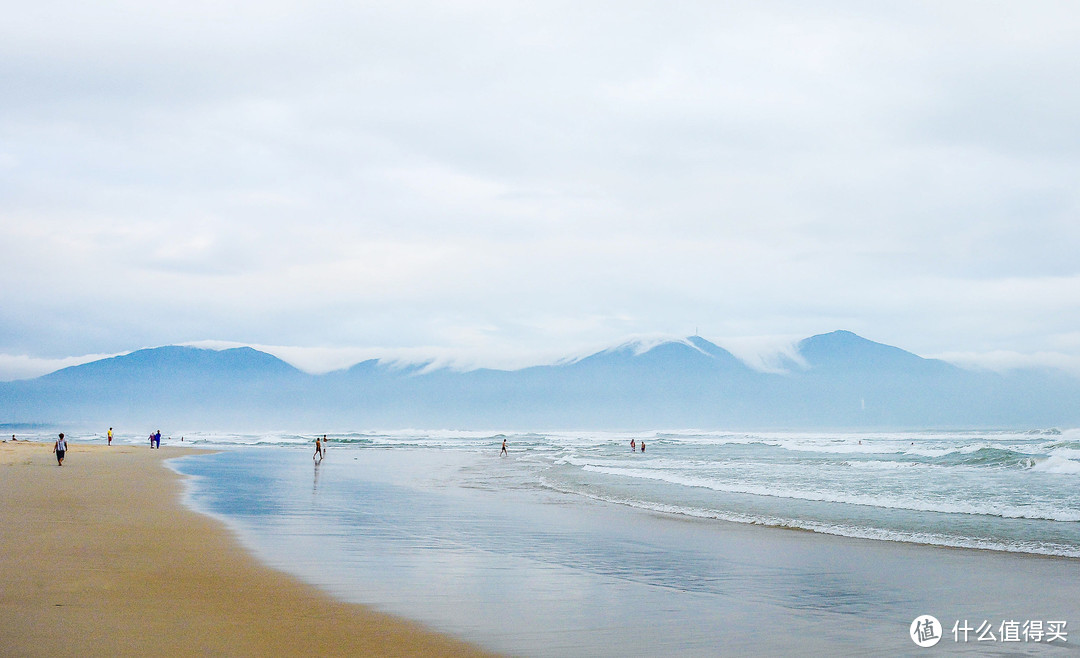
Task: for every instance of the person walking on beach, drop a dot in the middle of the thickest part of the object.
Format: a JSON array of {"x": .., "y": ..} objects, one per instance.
[
  {"x": 318, "y": 449},
  {"x": 60, "y": 447},
  {"x": 110, "y": 436},
  {"x": 504, "y": 449},
  {"x": 325, "y": 445},
  {"x": 157, "y": 439}
]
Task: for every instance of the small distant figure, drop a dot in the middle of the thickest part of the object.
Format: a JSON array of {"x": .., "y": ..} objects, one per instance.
[
  {"x": 643, "y": 445},
  {"x": 633, "y": 446},
  {"x": 860, "y": 441},
  {"x": 110, "y": 436},
  {"x": 503, "y": 449},
  {"x": 325, "y": 445},
  {"x": 13, "y": 438},
  {"x": 60, "y": 447},
  {"x": 151, "y": 441},
  {"x": 157, "y": 439},
  {"x": 318, "y": 449}
]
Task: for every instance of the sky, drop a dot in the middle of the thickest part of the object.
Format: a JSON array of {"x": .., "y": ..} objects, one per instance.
[{"x": 503, "y": 183}]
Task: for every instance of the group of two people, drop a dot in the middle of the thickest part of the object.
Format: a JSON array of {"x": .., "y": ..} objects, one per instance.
[
  {"x": 633, "y": 445},
  {"x": 155, "y": 440}
]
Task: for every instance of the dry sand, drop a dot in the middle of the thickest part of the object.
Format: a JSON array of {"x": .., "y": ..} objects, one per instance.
[{"x": 99, "y": 557}]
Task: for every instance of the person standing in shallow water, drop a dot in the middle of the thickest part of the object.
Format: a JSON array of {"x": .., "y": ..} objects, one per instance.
[
  {"x": 642, "y": 445},
  {"x": 503, "y": 449},
  {"x": 60, "y": 447},
  {"x": 318, "y": 449}
]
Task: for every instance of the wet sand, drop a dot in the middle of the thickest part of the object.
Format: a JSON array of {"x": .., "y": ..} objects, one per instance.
[{"x": 100, "y": 558}]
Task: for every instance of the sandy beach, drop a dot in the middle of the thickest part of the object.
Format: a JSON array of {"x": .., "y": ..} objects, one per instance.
[{"x": 100, "y": 558}]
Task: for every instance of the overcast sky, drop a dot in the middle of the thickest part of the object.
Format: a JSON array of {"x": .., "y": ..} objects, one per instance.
[{"x": 509, "y": 182}]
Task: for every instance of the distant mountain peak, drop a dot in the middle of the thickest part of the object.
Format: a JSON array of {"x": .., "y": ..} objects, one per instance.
[
  {"x": 836, "y": 380},
  {"x": 664, "y": 354},
  {"x": 172, "y": 358},
  {"x": 846, "y": 350},
  {"x": 706, "y": 346},
  {"x": 837, "y": 337}
]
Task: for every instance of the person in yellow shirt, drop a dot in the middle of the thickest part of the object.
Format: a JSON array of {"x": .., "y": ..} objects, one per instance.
[{"x": 110, "y": 436}]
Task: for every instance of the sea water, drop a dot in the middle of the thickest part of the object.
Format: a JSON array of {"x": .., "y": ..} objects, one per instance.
[
  {"x": 1007, "y": 491},
  {"x": 573, "y": 544}
]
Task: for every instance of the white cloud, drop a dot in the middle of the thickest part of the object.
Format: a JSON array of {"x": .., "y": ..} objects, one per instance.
[
  {"x": 1005, "y": 361},
  {"x": 534, "y": 178},
  {"x": 21, "y": 366},
  {"x": 321, "y": 360}
]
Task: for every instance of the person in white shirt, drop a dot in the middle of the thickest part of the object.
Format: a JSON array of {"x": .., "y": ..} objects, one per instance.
[{"x": 60, "y": 447}]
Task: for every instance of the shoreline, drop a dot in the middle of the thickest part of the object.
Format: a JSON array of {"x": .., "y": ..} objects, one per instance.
[
  {"x": 456, "y": 540},
  {"x": 101, "y": 557}
]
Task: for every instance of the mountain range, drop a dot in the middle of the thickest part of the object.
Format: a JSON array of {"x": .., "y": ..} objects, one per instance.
[{"x": 837, "y": 380}]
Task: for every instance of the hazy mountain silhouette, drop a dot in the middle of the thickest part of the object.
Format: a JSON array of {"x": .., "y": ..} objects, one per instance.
[
  {"x": 843, "y": 351},
  {"x": 838, "y": 380}
]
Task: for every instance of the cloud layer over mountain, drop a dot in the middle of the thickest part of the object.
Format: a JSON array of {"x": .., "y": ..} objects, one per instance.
[
  {"x": 537, "y": 176},
  {"x": 837, "y": 380}
]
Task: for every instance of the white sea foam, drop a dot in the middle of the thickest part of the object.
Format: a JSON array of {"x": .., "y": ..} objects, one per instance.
[
  {"x": 1065, "y": 453},
  {"x": 861, "y": 499},
  {"x": 1057, "y": 464},
  {"x": 889, "y": 465},
  {"x": 843, "y": 530},
  {"x": 656, "y": 463}
]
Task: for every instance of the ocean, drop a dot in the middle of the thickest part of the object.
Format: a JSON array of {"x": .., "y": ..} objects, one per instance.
[
  {"x": 573, "y": 544},
  {"x": 1006, "y": 491}
]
